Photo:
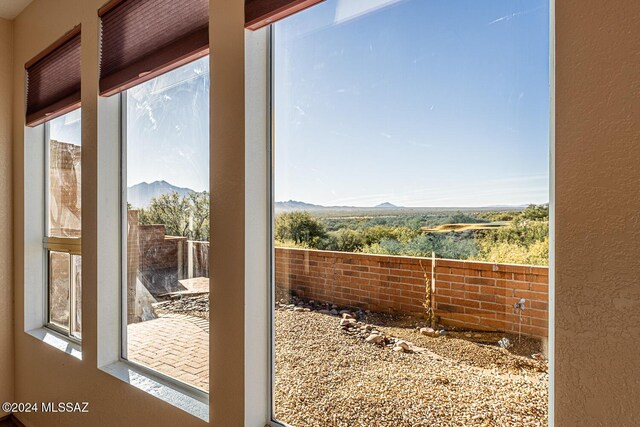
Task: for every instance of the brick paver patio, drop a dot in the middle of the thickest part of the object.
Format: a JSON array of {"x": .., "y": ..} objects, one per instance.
[{"x": 173, "y": 344}]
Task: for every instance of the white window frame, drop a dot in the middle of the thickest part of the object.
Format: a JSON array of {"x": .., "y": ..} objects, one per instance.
[
  {"x": 35, "y": 217},
  {"x": 178, "y": 384},
  {"x": 253, "y": 118},
  {"x": 112, "y": 297},
  {"x": 69, "y": 245}
]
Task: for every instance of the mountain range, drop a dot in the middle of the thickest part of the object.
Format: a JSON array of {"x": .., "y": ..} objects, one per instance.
[
  {"x": 294, "y": 205},
  {"x": 140, "y": 195}
]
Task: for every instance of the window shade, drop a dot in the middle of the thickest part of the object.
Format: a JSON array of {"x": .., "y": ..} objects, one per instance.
[
  {"x": 53, "y": 80},
  {"x": 142, "y": 39},
  {"x": 260, "y": 13}
]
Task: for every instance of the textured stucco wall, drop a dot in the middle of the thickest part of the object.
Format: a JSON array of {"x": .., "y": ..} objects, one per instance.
[
  {"x": 6, "y": 277},
  {"x": 597, "y": 194}
]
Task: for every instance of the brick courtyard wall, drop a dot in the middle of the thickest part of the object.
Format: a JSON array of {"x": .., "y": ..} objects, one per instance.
[{"x": 469, "y": 294}]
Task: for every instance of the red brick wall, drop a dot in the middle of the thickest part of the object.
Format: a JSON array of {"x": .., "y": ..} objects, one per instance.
[{"x": 469, "y": 294}]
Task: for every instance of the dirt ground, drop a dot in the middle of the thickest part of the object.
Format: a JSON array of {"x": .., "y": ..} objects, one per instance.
[{"x": 328, "y": 376}]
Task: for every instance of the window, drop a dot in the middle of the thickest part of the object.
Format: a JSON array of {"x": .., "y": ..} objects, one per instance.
[
  {"x": 410, "y": 233},
  {"x": 62, "y": 242},
  {"x": 166, "y": 224}
]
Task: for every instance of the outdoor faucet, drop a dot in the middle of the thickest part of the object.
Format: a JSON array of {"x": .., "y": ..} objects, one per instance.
[{"x": 520, "y": 305}]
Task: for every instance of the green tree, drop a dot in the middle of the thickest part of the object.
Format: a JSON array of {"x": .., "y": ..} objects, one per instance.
[
  {"x": 347, "y": 240},
  {"x": 300, "y": 228},
  {"x": 534, "y": 213},
  {"x": 185, "y": 216}
]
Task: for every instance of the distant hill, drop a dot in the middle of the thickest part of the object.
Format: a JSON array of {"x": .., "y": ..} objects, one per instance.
[
  {"x": 140, "y": 195},
  {"x": 385, "y": 208},
  {"x": 386, "y": 205},
  {"x": 294, "y": 205}
]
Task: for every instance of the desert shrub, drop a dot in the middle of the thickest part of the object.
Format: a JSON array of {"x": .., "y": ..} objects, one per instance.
[
  {"x": 444, "y": 245},
  {"x": 300, "y": 228},
  {"x": 513, "y": 253},
  {"x": 344, "y": 240}
]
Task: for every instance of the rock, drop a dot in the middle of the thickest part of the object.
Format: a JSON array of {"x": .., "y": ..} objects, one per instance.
[
  {"x": 347, "y": 323},
  {"x": 347, "y": 315},
  {"x": 404, "y": 345},
  {"x": 430, "y": 332},
  {"x": 374, "y": 339},
  {"x": 538, "y": 356},
  {"x": 504, "y": 343},
  {"x": 398, "y": 348},
  {"x": 307, "y": 309},
  {"x": 298, "y": 309},
  {"x": 324, "y": 311},
  {"x": 442, "y": 332},
  {"x": 334, "y": 312}
]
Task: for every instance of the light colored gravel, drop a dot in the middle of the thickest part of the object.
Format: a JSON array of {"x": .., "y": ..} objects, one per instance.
[{"x": 327, "y": 377}]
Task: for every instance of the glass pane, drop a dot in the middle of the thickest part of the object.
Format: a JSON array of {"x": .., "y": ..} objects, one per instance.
[
  {"x": 167, "y": 147},
  {"x": 411, "y": 275},
  {"x": 77, "y": 295},
  {"x": 59, "y": 279},
  {"x": 64, "y": 196}
]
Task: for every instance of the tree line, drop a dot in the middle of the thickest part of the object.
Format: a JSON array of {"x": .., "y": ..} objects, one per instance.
[{"x": 524, "y": 240}]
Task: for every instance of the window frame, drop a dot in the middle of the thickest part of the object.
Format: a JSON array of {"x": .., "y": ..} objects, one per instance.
[
  {"x": 269, "y": 71},
  {"x": 171, "y": 382},
  {"x": 67, "y": 245}
]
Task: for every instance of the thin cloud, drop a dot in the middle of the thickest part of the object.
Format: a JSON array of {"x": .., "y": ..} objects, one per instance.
[{"x": 514, "y": 15}]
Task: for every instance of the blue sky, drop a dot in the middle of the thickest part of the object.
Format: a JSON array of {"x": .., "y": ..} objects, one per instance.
[
  {"x": 415, "y": 102},
  {"x": 168, "y": 128}
]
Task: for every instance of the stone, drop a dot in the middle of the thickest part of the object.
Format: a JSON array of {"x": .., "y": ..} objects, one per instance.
[
  {"x": 324, "y": 311},
  {"x": 298, "y": 309},
  {"x": 429, "y": 332},
  {"x": 347, "y": 315},
  {"x": 504, "y": 343},
  {"x": 347, "y": 323},
  {"x": 334, "y": 312},
  {"x": 404, "y": 345},
  {"x": 398, "y": 348},
  {"x": 374, "y": 339}
]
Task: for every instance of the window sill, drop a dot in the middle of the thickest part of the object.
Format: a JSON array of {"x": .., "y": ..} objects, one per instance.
[
  {"x": 58, "y": 341},
  {"x": 158, "y": 388}
]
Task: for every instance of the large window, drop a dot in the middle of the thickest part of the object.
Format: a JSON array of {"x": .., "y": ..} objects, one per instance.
[
  {"x": 166, "y": 224},
  {"x": 410, "y": 237},
  {"x": 62, "y": 241}
]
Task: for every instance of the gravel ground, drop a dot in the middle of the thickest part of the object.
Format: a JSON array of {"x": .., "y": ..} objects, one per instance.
[
  {"x": 327, "y": 376},
  {"x": 191, "y": 305}
]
